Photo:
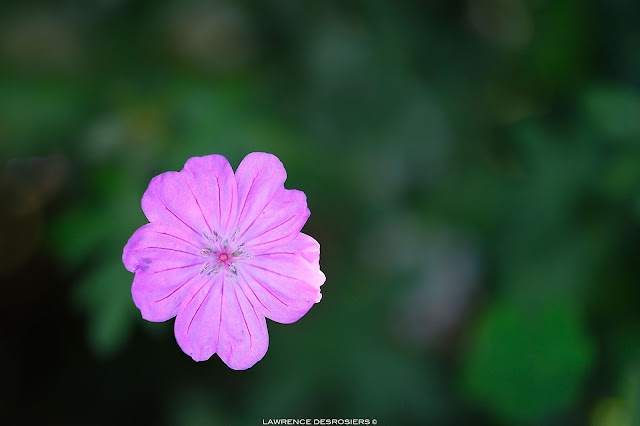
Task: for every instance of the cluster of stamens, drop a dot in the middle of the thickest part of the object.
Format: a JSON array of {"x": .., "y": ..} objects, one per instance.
[{"x": 222, "y": 255}]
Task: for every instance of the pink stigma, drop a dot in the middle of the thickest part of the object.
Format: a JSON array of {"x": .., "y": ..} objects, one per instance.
[{"x": 224, "y": 257}]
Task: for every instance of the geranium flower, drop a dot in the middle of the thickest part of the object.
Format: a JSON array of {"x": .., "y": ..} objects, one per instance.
[{"x": 223, "y": 251}]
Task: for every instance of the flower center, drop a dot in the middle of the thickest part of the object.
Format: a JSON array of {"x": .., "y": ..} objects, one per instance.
[{"x": 223, "y": 254}]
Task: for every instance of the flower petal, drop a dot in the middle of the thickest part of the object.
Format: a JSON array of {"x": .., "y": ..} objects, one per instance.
[
  {"x": 305, "y": 246},
  {"x": 216, "y": 316},
  {"x": 198, "y": 322},
  {"x": 165, "y": 264},
  {"x": 243, "y": 333},
  {"x": 269, "y": 215},
  {"x": 284, "y": 284},
  {"x": 171, "y": 201},
  {"x": 214, "y": 185},
  {"x": 279, "y": 223}
]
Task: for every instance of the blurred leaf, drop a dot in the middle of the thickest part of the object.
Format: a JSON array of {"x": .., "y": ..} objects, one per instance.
[
  {"x": 102, "y": 222},
  {"x": 79, "y": 231},
  {"x": 105, "y": 297},
  {"x": 623, "y": 177},
  {"x": 610, "y": 412},
  {"x": 34, "y": 113},
  {"x": 631, "y": 392},
  {"x": 525, "y": 364},
  {"x": 560, "y": 42},
  {"x": 623, "y": 410},
  {"x": 217, "y": 118},
  {"x": 615, "y": 110}
]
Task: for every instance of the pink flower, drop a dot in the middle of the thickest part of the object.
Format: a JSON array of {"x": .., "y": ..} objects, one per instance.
[{"x": 221, "y": 253}]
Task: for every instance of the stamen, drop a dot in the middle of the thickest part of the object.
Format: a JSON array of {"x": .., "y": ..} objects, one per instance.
[
  {"x": 212, "y": 240},
  {"x": 210, "y": 268},
  {"x": 231, "y": 278},
  {"x": 235, "y": 234},
  {"x": 207, "y": 252},
  {"x": 238, "y": 250},
  {"x": 233, "y": 269}
]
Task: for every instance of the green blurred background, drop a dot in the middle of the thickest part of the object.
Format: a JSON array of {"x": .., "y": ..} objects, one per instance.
[{"x": 473, "y": 174}]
